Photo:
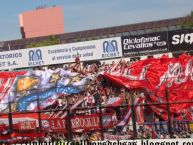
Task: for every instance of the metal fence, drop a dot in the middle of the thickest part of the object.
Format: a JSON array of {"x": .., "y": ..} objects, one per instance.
[{"x": 73, "y": 119}]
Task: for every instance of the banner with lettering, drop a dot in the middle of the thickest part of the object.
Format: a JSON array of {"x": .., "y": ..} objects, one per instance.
[
  {"x": 157, "y": 75},
  {"x": 181, "y": 40},
  {"x": 22, "y": 121},
  {"x": 81, "y": 122},
  {"x": 78, "y": 123},
  {"x": 116, "y": 137},
  {"x": 27, "y": 125},
  {"x": 144, "y": 44},
  {"x": 177, "y": 126},
  {"x": 63, "y": 53}
]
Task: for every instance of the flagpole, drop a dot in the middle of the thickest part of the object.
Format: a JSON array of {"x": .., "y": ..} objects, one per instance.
[
  {"x": 39, "y": 112},
  {"x": 133, "y": 117},
  {"x": 101, "y": 121},
  {"x": 169, "y": 113},
  {"x": 10, "y": 117},
  {"x": 68, "y": 120}
]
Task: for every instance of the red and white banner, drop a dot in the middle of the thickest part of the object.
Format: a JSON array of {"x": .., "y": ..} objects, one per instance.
[
  {"x": 84, "y": 122},
  {"x": 7, "y": 80},
  {"x": 27, "y": 121},
  {"x": 27, "y": 125},
  {"x": 116, "y": 137},
  {"x": 127, "y": 115},
  {"x": 155, "y": 75},
  {"x": 114, "y": 102}
]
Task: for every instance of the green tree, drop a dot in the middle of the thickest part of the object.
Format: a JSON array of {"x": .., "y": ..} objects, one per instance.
[
  {"x": 188, "y": 21},
  {"x": 52, "y": 40}
]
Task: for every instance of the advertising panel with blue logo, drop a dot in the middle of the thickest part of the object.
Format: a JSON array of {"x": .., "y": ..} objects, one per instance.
[
  {"x": 63, "y": 53},
  {"x": 35, "y": 58},
  {"x": 110, "y": 49}
]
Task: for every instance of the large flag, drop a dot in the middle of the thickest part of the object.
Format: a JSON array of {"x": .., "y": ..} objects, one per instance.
[
  {"x": 28, "y": 88},
  {"x": 157, "y": 77}
]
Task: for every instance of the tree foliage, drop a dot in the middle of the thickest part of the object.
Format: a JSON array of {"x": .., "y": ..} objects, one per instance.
[
  {"x": 188, "y": 21},
  {"x": 50, "y": 41}
]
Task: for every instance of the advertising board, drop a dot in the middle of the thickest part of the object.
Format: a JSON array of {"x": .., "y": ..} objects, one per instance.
[
  {"x": 181, "y": 40},
  {"x": 64, "y": 53},
  {"x": 144, "y": 44}
]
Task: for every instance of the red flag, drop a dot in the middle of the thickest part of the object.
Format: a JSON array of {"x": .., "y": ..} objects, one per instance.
[{"x": 157, "y": 75}]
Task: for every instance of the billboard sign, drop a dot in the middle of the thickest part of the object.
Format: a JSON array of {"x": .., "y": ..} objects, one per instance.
[
  {"x": 144, "y": 44},
  {"x": 181, "y": 40},
  {"x": 64, "y": 53}
]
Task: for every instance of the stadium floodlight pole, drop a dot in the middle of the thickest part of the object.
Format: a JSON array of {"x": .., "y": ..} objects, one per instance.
[{"x": 169, "y": 112}]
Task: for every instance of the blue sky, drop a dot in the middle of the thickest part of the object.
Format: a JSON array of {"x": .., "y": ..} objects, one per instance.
[{"x": 90, "y": 14}]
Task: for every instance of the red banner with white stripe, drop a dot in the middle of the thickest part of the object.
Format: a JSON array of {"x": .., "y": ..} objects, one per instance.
[{"x": 157, "y": 75}]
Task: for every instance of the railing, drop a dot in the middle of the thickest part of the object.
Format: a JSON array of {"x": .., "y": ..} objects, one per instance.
[{"x": 73, "y": 118}]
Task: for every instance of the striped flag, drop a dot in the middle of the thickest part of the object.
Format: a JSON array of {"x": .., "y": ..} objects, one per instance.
[
  {"x": 139, "y": 114},
  {"x": 7, "y": 80},
  {"x": 127, "y": 116}
]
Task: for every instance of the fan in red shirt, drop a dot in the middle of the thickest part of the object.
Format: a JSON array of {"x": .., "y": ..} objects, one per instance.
[{"x": 77, "y": 59}]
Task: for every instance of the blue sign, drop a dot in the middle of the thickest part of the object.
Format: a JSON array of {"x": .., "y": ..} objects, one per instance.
[
  {"x": 110, "y": 49},
  {"x": 35, "y": 58}
]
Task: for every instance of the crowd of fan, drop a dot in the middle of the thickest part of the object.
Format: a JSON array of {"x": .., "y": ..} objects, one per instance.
[{"x": 97, "y": 94}]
